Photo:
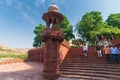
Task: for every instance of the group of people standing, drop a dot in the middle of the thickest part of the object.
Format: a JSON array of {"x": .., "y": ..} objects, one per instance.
[{"x": 110, "y": 51}]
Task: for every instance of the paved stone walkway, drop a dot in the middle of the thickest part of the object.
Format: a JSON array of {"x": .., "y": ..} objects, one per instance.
[{"x": 23, "y": 71}]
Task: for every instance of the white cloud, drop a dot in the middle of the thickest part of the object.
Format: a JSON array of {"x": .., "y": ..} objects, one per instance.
[
  {"x": 59, "y": 2},
  {"x": 27, "y": 17},
  {"x": 24, "y": 9},
  {"x": 9, "y": 2},
  {"x": 28, "y": 7},
  {"x": 39, "y": 2}
]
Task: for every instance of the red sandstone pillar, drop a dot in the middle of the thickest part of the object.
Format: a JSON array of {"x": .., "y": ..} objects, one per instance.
[{"x": 52, "y": 36}]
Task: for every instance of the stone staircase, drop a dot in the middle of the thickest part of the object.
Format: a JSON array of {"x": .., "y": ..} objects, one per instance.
[{"x": 79, "y": 67}]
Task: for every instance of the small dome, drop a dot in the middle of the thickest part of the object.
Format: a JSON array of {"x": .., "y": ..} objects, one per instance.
[{"x": 53, "y": 7}]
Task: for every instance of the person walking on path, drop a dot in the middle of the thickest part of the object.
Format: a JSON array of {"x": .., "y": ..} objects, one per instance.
[
  {"x": 98, "y": 49},
  {"x": 85, "y": 49}
]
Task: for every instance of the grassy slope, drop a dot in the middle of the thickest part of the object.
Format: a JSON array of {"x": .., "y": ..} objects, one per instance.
[{"x": 7, "y": 53}]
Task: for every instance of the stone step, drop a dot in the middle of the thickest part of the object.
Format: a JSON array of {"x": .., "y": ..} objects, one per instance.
[
  {"x": 85, "y": 61},
  {"x": 113, "y": 76},
  {"x": 91, "y": 68},
  {"x": 88, "y": 63},
  {"x": 92, "y": 71},
  {"x": 82, "y": 77}
]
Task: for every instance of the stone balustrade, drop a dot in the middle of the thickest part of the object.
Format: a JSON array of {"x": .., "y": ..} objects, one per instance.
[
  {"x": 36, "y": 54},
  {"x": 116, "y": 41}
]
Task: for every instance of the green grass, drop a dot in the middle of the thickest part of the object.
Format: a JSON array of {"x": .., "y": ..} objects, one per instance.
[
  {"x": 20, "y": 56},
  {"x": 7, "y": 53}
]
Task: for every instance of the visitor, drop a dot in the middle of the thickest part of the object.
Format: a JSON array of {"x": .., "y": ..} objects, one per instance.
[
  {"x": 96, "y": 41},
  {"x": 85, "y": 49},
  {"x": 103, "y": 38},
  {"x": 98, "y": 49},
  {"x": 106, "y": 51},
  {"x": 114, "y": 51},
  {"x": 105, "y": 43},
  {"x": 111, "y": 38}
]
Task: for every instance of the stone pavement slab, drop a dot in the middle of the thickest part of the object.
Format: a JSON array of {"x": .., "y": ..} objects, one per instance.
[
  {"x": 24, "y": 71},
  {"x": 21, "y": 71}
]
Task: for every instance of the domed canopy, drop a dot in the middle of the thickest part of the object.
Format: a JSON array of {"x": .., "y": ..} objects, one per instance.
[{"x": 53, "y": 7}]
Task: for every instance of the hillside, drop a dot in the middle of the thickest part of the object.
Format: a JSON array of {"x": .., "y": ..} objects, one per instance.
[
  {"x": 6, "y": 52},
  {"x": 4, "y": 49}
]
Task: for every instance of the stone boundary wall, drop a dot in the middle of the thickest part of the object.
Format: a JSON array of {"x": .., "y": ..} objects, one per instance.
[
  {"x": 64, "y": 48},
  {"x": 116, "y": 42},
  {"x": 10, "y": 60},
  {"x": 36, "y": 54}
]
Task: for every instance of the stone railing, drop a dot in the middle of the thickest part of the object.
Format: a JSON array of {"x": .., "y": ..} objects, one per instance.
[
  {"x": 36, "y": 54},
  {"x": 116, "y": 41},
  {"x": 64, "y": 48}
]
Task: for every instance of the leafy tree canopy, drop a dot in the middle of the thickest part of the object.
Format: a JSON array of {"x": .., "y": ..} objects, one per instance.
[
  {"x": 114, "y": 20},
  {"x": 67, "y": 28},
  {"x": 91, "y": 21},
  {"x": 106, "y": 31},
  {"x": 38, "y": 32},
  {"x": 92, "y": 25}
]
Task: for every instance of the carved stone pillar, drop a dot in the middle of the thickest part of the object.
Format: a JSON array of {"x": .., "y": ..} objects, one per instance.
[
  {"x": 51, "y": 61},
  {"x": 52, "y": 36}
]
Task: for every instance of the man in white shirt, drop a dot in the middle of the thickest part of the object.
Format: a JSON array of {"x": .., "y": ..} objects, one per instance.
[{"x": 85, "y": 49}]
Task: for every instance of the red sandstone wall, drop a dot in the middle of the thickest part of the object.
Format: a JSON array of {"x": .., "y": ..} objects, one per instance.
[
  {"x": 12, "y": 60},
  {"x": 64, "y": 48},
  {"x": 36, "y": 54},
  {"x": 65, "y": 51},
  {"x": 73, "y": 52},
  {"x": 116, "y": 42}
]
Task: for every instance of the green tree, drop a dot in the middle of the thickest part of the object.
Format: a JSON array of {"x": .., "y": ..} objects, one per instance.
[
  {"x": 91, "y": 21},
  {"x": 65, "y": 26},
  {"x": 38, "y": 32},
  {"x": 114, "y": 20},
  {"x": 106, "y": 31}
]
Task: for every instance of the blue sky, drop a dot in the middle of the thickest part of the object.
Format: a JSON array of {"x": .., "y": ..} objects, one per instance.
[{"x": 18, "y": 18}]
